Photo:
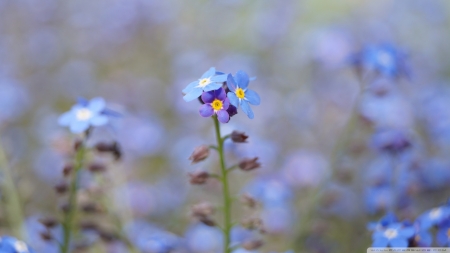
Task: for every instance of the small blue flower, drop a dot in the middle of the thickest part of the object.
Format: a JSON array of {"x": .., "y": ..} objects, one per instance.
[
  {"x": 395, "y": 235},
  {"x": 434, "y": 217},
  {"x": 85, "y": 114},
  {"x": 240, "y": 95},
  {"x": 384, "y": 222},
  {"x": 12, "y": 245},
  {"x": 210, "y": 80}
]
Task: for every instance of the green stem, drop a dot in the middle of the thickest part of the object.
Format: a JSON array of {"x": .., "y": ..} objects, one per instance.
[
  {"x": 72, "y": 207},
  {"x": 226, "y": 189},
  {"x": 13, "y": 208}
]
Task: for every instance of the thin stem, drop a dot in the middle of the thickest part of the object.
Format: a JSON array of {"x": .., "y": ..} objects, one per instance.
[
  {"x": 13, "y": 208},
  {"x": 72, "y": 207},
  {"x": 226, "y": 191}
]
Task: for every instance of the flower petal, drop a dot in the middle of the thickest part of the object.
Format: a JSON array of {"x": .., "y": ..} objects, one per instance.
[
  {"x": 231, "y": 83},
  {"x": 99, "y": 120},
  {"x": 82, "y": 101},
  {"x": 79, "y": 126},
  {"x": 206, "y": 110},
  {"x": 193, "y": 94},
  {"x": 66, "y": 118},
  {"x": 241, "y": 79},
  {"x": 223, "y": 116},
  {"x": 407, "y": 232},
  {"x": 246, "y": 108},
  {"x": 252, "y": 97},
  {"x": 380, "y": 242},
  {"x": 226, "y": 103},
  {"x": 212, "y": 86},
  {"x": 219, "y": 78},
  {"x": 208, "y": 97},
  {"x": 190, "y": 87},
  {"x": 441, "y": 238},
  {"x": 97, "y": 104},
  {"x": 233, "y": 99},
  {"x": 209, "y": 73},
  {"x": 220, "y": 94},
  {"x": 399, "y": 242}
]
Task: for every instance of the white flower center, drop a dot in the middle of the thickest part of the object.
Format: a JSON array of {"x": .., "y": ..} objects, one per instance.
[
  {"x": 385, "y": 59},
  {"x": 83, "y": 114},
  {"x": 390, "y": 233},
  {"x": 203, "y": 82},
  {"x": 20, "y": 246},
  {"x": 435, "y": 213}
]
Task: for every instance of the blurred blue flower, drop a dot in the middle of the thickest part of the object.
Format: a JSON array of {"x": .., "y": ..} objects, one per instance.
[
  {"x": 204, "y": 239},
  {"x": 10, "y": 244},
  {"x": 210, "y": 80},
  {"x": 395, "y": 235},
  {"x": 443, "y": 235},
  {"x": 85, "y": 114},
  {"x": 384, "y": 222},
  {"x": 423, "y": 237},
  {"x": 216, "y": 102},
  {"x": 434, "y": 217},
  {"x": 240, "y": 95}
]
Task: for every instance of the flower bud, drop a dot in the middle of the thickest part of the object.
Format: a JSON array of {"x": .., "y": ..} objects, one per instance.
[
  {"x": 67, "y": 169},
  {"x": 202, "y": 210},
  {"x": 252, "y": 244},
  {"x": 252, "y": 223},
  {"x": 61, "y": 188},
  {"x": 239, "y": 137},
  {"x": 112, "y": 148},
  {"x": 48, "y": 222},
  {"x": 248, "y": 164},
  {"x": 46, "y": 236},
  {"x": 198, "y": 177},
  {"x": 96, "y": 167},
  {"x": 249, "y": 201},
  {"x": 200, "y": 153}
]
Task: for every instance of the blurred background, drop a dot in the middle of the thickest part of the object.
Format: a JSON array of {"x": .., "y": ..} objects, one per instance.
[{"x": 341, "y": 139}]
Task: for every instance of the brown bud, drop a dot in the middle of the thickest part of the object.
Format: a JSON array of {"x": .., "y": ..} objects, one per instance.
[
  {"x": 96, "y": 167},
  {"x": 202, "y": 210},
  {"x": 248, "y": 200},
  {"x": 67, "y": 169},
  {"x": 200, "y": 153},
  {"x": 91, "y": 208},
  {"x": 249, "y": 164},
  {"x": 107, "y": 236},
  {"x": 65, "y": 207},
  {"x": 61, "y": 188},
  {"x": 112, "y": 148},
  {"x": 252, "y": 244},
  {"x": 48, "y": 222},
  {"x": 239, "y": 137},
  {"x": 88, "y": 225},
  {"x": 252, "y": 223},
  {"x": 198, "y": 177},
  {"x": 208, "y": 221},
  {"x": 46, "y": 236},
  {"x": 77, "y": 145}
]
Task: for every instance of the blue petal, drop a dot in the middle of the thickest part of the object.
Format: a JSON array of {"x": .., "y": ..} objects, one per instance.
[
  {"x": 82, "y": 101},
  {"x": 223, "y": 116},
  {"x": 99, "y": 120},
  {"x": 242, "y": 79},
  {"x": 193, "y": 94},
  {"x": 399, "y": 243},
  {"x": 212, "y": 86},
  {"x": 219, "y": 78},
  {"x": 441, "y": 237},
  {"x": 407, "y": 232},
  {"x": 209, "y": 73},
  {"x": 206, "y": 110},
  {"x": 252, "y": 97},
  {"x": 231, "y": 83},
  {"x": 190, "y": 87},
  {"x": 97, "y": 104},
  {"x": 79, "y": 126},
  {"x": 66, "y": 118},
  {"x": 246, "y": 108},
  {"x": 380, "y": 242},
  {"x": 233, "y": 99}
]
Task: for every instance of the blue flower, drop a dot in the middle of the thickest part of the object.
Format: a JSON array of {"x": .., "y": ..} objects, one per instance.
[
  {"x": 85, "y": 114},
  {"x": 216, "y": 102},
  {"x": 240, "y": 95},
  {"x": 394, "y": 235},
  {"x": 443, "y": 235},
  {"x": 384, "y": 222},
  {"x": 12, "y": 245},
  {"x": 210, "y": 80},
  {"x": 434, "y": 217}
]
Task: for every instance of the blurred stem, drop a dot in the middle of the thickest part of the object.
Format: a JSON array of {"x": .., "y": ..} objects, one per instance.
[
  {"x": 226, "y": 191},
  {"x": 12, "y": 208},
  {"x": 72, "y": 207}
]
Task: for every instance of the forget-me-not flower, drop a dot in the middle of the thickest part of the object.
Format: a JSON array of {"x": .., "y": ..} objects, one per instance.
[
  {"x": 394, "y": 235},
  {"x": 216, "y": 102},
  {"x": 85, "y": 114},
  {"x": 240, "y": 95},
  {"x": 12, "y": 245},
  {"x": 434, "y": 217},
  {"x": 210, "y": 80}
]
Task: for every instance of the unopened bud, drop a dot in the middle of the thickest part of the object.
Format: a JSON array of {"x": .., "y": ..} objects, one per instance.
[
  {"x": 46, "y": 236},
  {"x": 198, "y": 177},
  {"x": 252, "y": 223},
  {"x": 48, "y": 222},
  {"x": 77, "y": 145},
  {"x": 112, "y": 148},
  {"x": 67, "y": 169},
  {"x": 249, "y": 164},
  {"x": 200, "y": 153},
  {"x": 107, "y": 236},
  {"x": 252, "y": 244},
  {"x": 96, "y": 167},
  {"x": 91, "y": 208},
  {"x": 203, "y": 209},
  {"x": 239, "y": 137},
  {"x": 88, "y": 225},
  {"x": 248, "y": 200},
  {"x": 61, "y": 188}
]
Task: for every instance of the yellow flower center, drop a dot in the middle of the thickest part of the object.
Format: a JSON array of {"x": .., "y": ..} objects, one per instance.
[
  {"x": 390, "y": 233},
  {"x": 83, "y": 114},
  {"x": 203, "y": 82},
  {"x": 217, "y": 104},
  {"x": 240, "y": 93}
]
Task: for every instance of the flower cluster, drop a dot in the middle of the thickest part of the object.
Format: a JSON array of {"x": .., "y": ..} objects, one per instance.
[
  {"x": 12, "y": 245},
  {"x": 221, "y": 94},
  {"x": 390, "y": 232}
]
